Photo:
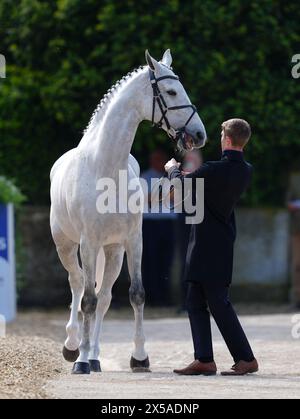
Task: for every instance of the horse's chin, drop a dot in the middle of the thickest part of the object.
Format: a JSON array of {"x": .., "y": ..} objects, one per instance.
[
  {"x": 186, "y": 145},
  {"x": 180, "y": 147},
  {"x": 198, "y": 146}
]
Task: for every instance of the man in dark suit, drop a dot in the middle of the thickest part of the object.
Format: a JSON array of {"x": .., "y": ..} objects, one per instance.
[{"x": 209, "y": 259}]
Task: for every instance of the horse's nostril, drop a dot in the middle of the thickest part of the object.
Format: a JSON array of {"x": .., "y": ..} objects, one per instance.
[{"x": 200, "y": 135}]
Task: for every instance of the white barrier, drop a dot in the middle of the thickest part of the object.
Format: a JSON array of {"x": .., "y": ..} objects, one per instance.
[
  {"x": 2, "y": 326},
  {"x": 7, "y": 263}
]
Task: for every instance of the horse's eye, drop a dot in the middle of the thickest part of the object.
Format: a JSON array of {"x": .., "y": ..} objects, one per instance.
[{"x": 171, "y": 92}]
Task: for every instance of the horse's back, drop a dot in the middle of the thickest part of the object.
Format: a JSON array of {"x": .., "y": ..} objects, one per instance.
[{"x": 132, "y": 163}]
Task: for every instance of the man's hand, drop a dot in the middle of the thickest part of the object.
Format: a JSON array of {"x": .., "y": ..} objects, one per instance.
[{"x": 171, "y": 163}]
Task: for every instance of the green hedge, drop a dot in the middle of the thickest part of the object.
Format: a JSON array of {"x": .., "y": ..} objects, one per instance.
[
  {"x": 233, "y": 56},
  {"x": 10, "y": 193}
]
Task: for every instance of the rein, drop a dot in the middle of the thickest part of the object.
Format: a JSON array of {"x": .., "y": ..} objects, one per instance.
[{"x": 158, "y": 189}]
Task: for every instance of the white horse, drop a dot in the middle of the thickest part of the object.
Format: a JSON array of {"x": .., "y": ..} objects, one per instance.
[{"x": 151, "y": 92}]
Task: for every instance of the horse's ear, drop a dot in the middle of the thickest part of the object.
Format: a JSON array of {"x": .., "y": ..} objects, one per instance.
[
  {"x": 152, "y": 63},
  {"x": 167, "y": 58}
]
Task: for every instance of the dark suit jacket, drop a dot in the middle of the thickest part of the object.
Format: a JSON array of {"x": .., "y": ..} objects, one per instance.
[{"x": 210, "y": 250}]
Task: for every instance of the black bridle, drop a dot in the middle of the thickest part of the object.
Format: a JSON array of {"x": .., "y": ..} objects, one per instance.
[{"x": 175, "y": 134}]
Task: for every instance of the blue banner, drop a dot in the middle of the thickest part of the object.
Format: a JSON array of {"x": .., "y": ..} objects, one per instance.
[{"x": 3, "y": 232}]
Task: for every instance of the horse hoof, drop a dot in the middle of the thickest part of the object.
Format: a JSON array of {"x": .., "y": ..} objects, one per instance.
[
  {"x": 70, "y": 356},
  {"x": 81, "y": 368},
  {"x": 95, "y": 365},
  {"x": 140, "y": 366}
]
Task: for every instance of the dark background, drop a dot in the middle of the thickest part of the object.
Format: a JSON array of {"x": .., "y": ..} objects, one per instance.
[{"x": 234, "y": 58}]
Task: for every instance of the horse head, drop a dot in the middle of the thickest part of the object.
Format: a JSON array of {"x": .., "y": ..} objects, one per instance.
[{"x": 171, "y": 108}]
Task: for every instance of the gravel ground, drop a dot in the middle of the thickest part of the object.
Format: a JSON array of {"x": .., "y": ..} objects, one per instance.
[
  {"x": 30, "y": 356},
  {"x": 31, "y": 365},
  {"x": 26, "y": 364}
]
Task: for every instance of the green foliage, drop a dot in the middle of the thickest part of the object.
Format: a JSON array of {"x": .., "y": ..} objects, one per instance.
[
  {"x": 234, "y": 58},
  {"x": 9, "y": 193}
]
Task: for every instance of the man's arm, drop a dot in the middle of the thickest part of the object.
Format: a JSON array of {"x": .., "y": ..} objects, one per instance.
[{"x": 202, "y": 172}]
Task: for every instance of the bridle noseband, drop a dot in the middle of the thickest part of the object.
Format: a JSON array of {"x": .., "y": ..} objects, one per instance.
[{"x": 159, "y": 99}]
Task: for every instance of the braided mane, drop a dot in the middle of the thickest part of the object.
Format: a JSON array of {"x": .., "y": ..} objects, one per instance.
[{"x": 102, "y": 105}]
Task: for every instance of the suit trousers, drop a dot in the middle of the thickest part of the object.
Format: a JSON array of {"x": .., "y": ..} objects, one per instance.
[{"x": 214, "y": 297}]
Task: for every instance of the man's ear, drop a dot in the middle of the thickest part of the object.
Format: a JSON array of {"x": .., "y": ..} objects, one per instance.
[
  {"x": 152, "y": 63},
  {"x": 228, "y": 141},
  {"x": 167, "y": 58}
]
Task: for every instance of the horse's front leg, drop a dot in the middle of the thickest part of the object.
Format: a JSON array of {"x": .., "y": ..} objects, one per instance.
[
  {"x": 139, "y": 360},
  {"x": 88, "y": 305}
]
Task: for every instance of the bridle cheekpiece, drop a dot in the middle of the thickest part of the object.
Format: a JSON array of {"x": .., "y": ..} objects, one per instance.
[{"x": 175, "y": 134}]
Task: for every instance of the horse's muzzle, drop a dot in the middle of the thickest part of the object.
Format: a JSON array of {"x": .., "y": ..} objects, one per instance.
[{"x": 187, "y": 141}]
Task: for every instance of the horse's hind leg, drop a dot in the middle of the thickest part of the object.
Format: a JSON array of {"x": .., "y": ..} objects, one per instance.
[
  {"x": 67, "y": 252},
  {"x": 139, "y": 360},
  {"x": 88, "y": 255},
  {"x": 113, "y": 263}
]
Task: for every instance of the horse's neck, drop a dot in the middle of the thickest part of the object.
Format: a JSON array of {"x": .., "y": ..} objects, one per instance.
[{"x": 108, "y": 144}]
